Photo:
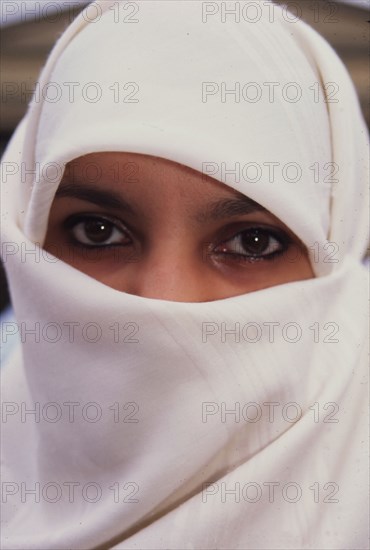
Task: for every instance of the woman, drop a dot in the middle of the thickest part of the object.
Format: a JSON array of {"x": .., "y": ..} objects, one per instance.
[{"x": 191, "y": 372}]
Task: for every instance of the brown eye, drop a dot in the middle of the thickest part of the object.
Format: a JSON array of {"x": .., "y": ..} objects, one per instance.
[
  {"x": 255, "y": 243},
  {"x": 96, "y": 231}
]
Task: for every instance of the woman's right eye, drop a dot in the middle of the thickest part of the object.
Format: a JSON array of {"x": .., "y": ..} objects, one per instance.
[{"x": 97, "y": 231}]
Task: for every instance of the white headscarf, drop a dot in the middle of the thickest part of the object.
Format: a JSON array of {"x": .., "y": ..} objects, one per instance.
[{"x": 154, "y": 426}]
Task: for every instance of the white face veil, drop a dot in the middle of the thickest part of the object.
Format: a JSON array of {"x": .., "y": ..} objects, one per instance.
[{"x": 229, "y": 424}]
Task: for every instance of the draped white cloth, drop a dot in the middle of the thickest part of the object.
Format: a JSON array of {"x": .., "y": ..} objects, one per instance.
[{"x": 153, "y": 426}]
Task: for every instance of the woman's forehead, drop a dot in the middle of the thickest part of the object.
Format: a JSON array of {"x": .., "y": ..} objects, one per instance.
[
  {"x": 115, "y": 168},
  {"x": 145, "y": 177}
]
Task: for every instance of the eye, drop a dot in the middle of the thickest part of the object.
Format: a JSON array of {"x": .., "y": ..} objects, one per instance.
[
  {"x": 255, "y": 243},
  {"x": 96, "y": 231}
]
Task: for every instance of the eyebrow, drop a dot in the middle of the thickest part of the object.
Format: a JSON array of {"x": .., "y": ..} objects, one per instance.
[
  {"x": 100, "y": 197},
  {"x": 217, "y": 210},
  {"x": 227, "y": 208}
]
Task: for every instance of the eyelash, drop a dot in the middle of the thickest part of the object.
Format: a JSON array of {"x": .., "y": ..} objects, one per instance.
[
  {"x": 280, "y": 237},
  {"x": 78, "y": 219},
  {"x": 282, "y": 242}
]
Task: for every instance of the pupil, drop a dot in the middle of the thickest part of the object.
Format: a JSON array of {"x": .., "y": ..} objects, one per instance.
[
  {"x": 98, "y": 231},
  {"x": 255, "y": 242}
]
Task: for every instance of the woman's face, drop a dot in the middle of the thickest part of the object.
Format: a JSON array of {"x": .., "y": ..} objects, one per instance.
[{"x": 157, "y": 229}]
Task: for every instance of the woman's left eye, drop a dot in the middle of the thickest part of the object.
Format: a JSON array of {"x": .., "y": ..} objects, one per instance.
[
  {"x": 94, "y": 231},
  {"x": 254, "y": 243}
]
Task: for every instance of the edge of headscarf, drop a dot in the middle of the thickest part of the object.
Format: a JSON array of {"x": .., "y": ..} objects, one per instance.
[
  {"x": 349, "y": 223},
  {"x": 349, "y": 232},
  {"x": 35, "y": 108}
]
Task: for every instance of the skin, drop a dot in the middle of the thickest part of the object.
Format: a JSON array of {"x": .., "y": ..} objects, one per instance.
[{"x": 163, "y": 242}]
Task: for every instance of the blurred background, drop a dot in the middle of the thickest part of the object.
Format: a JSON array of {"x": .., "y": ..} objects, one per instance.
[{"x": 29, "y": 29}]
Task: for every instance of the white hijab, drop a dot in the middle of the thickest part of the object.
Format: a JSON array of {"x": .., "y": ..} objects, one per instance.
[{"x": 167, "y": 432}]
